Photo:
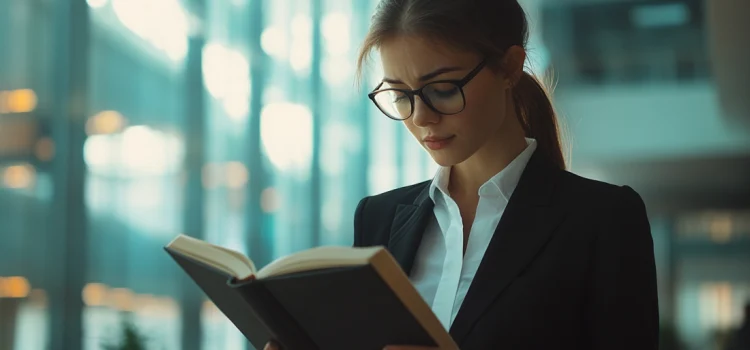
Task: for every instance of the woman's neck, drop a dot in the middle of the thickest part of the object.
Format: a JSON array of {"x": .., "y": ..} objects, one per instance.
[{"x": 492, "y": 158}]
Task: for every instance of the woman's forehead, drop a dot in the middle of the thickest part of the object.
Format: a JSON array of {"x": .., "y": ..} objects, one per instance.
[
  {"x": 422, "y": 46},
  {"x": 416, "y": 55}
]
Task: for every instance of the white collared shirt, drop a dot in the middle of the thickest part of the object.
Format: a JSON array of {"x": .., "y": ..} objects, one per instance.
[{"x": 442, "y": 273}]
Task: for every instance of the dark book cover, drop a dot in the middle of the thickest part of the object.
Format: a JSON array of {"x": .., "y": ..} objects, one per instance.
[{"x": 340, "y": 308}]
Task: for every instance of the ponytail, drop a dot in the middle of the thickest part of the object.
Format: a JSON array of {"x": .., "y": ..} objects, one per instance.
[{"x": 538, "y": 117}]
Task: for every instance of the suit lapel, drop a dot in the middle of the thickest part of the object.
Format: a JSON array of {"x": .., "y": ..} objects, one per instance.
[
  {"x": 525, "y": 227},
  {"x": 409, "y": 223}
]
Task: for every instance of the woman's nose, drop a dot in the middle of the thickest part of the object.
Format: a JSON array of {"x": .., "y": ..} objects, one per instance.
[{"x": 423, "y": 114}]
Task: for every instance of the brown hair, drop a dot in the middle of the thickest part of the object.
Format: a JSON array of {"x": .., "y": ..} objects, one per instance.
[{"x": 488, "y": 27}]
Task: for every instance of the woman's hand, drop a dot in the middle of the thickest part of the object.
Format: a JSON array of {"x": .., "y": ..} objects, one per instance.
[{"x": 273, "y": 346}]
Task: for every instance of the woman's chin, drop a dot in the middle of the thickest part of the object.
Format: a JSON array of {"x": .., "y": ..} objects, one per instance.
[{"x": 446, "y": 159}]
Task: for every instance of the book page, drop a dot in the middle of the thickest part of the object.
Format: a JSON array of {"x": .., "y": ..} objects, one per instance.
[
  {"x": 319, "y": 258},
  {"x": 229, "y": 261}
]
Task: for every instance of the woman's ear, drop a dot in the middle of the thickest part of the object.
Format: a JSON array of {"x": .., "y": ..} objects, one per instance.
[{"x": 512, "y": 64}]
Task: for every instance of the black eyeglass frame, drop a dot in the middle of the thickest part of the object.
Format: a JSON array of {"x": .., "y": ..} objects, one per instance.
[{"x": 460, "y": 83}]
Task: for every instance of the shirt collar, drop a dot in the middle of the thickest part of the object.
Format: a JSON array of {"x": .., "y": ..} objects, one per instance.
[{"x": 501, "y": 184}]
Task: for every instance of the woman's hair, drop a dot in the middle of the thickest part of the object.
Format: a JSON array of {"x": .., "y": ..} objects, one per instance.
[{"x": 488, "y": 27}]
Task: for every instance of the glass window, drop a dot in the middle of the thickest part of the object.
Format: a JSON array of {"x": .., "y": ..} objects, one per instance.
[{"x": 289, "y": 145}]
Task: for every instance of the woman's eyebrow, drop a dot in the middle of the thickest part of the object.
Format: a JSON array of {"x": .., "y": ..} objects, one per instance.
[{"x": 427, "y": 76}]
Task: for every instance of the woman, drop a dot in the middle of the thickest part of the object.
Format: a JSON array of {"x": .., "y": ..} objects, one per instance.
[{"x": 509, "y": 249}]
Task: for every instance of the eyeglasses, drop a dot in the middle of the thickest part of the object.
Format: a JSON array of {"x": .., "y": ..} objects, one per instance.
[{"x": 443, "y": 96}]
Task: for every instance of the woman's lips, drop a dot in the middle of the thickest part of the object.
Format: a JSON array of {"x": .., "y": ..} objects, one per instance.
[{"x": 437, "y": 143}]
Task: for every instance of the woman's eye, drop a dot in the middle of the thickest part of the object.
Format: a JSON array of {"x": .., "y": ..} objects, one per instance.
[
  {"x": 398, "y": 97},
  {"x": 447, "y": 93},
  {"x": 443, "y": 90}
]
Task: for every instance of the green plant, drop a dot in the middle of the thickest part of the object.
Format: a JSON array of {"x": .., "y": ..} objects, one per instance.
[
  {"x": 130, "y": 338},
  {"x": 669, "y": 338}
]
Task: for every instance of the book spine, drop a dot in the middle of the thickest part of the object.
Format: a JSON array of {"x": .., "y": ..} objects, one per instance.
[{"x": 283, "y": 327}]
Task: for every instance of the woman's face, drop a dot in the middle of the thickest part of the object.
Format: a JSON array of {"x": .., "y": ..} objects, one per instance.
[{"x": 449, "y": 139}]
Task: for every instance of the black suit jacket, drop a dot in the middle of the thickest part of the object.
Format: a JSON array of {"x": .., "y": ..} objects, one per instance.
[{"x": 570, "y": 265}]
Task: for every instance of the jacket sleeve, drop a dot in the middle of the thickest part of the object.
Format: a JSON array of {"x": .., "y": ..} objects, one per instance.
[
  {"x": 359, "y": 223},
  {"x": 622, "y": 308}
]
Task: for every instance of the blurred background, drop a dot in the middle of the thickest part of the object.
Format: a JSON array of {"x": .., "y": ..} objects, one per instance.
[{"x": 126, "y": 122}]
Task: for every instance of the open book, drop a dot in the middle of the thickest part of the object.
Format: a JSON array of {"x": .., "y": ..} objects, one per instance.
[{"x": 322, "y": 298}]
